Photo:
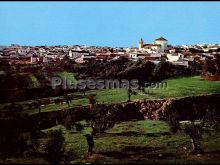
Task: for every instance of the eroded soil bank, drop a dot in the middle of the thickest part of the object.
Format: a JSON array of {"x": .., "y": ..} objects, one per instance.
[{"x": 185, "y": 108}]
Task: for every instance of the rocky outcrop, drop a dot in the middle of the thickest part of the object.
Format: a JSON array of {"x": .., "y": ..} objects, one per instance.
[{"x": 154, "y": 109}]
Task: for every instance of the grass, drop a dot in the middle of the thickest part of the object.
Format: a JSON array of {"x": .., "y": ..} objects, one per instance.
[
  {"x": 55, "y": 107},
  {"x": 34, "y": 82},
  {"x": 187, "y": 86},
  {"x": 66, "y": 75},
  {"x": 176, "y": 87},
  {"x": 136, "y": 141},
  {"x": 2, "y": 72},
  {"x": 143, "y": 141}
]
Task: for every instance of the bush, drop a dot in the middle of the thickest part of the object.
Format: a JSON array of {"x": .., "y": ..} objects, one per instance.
[
  {"x": 69, "y": 155},
  {"x": 55, "y": 146},
  {"x": 102, "y": 118},
  {"x": 11, "y": 145}
]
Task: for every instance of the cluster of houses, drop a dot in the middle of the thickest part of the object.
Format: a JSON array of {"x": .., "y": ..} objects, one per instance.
[{"x": 158, "y": 50}]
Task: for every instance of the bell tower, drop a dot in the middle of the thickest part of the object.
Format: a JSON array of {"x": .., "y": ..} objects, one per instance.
[{"x": 140, "y": 44}]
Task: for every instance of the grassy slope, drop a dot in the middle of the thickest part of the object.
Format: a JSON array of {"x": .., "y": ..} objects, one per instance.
[
  {"x": 187, "y": 86},
  {"x": 178, "y": 87},
  {"x": 34, "y": 82},
  {"x": 141, "y": 141},
  {"x": 66, "y": 75},
  {"x": 144, "y": 141},
  {"x": 137, "y": 142}
]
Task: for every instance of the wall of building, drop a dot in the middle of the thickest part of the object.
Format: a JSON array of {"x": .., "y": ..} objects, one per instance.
[{"x": 162, "y": 43}]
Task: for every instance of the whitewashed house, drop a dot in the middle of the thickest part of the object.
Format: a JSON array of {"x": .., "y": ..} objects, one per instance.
[{"x": 174, "y": 57}]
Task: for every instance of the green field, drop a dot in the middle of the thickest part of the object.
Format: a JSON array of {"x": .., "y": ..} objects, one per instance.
[
  {"x": 179, "y": 87},
  {"x": 187, "y": 86},
  {"x": 176, "y": 87},
  {"x": 133, "y": 142}
]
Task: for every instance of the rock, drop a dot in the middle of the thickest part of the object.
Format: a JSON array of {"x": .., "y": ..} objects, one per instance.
[
  {"x": 142, "y": 105},
  {"x": 157, "y": 105},
  {"x": 143, "y": 110},
  {"x": 152, "y": 105}
]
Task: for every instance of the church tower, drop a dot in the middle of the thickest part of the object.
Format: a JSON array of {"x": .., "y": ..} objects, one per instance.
[{"x": 140, "y": 44}]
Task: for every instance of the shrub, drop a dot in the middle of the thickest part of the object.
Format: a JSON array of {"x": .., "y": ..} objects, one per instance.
[
  {"x": 11, "y": 145},
  {"x": 55, "y": 146}
]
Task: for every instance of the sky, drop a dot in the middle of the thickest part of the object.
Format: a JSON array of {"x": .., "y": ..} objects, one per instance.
[{"x": 116, "y": 24}]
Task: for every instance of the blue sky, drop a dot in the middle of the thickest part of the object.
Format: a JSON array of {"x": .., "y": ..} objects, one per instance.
[{"x": 108, "y": 23}]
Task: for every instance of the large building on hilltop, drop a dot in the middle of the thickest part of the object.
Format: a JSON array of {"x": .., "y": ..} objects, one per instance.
[{"x": 159, "y": 45}]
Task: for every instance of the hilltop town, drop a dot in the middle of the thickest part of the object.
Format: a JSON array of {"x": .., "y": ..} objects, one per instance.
[{"x": 158, "y": 50}]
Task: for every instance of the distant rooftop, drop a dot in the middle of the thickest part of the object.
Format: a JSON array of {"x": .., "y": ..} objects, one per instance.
[{"x": 161, "y": 39}]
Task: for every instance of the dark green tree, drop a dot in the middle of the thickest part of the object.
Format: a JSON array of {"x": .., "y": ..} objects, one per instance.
[
  {"x": 55, "y": 146},
  {"x": 98, "y": 119},
  {"x": 130, "y": 92},
  {"x": 194, "y": 128}
]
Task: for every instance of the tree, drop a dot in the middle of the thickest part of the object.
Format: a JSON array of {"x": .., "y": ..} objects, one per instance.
[
  {"x": 130, "y": 93},
  {"x": 218, "y": 62},
  {"x": 55, "y": 146},
  {"x": 92, "y": 100},
  {"x": 209, "y": 66},
  {"x": 84, "y": 91},
  {"x": 38, "y": 105},
  {"x": 14, "y": 139},
  {"x": 68, "y": 99},
  {"x": 162, "y": 70},
  {"x": 98, "y": 119},
  {"x": 142, "y": 71},
  {"x": 194, "y": 128},
  {"x": 102, "y": 118},
  {"x": 14, "y": 108},
  {"x": 90, "y": 142}
]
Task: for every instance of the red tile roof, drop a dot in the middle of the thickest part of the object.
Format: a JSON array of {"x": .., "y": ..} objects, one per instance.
[{"x": 150, "y": 45}]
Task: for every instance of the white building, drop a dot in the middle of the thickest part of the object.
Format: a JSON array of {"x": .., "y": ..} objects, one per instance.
[
  {"x": 70, "y": 54},
  {"x": 82, "y": 56},
  {"x": 163, "y": 42},
  {"x": 159, "y": 45},
  {"x": 174, "y": 57},
  {"x": 183, "y": 63},
  {"x": 45, "y": 59},
  {"x": 152, "y": 48}
]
